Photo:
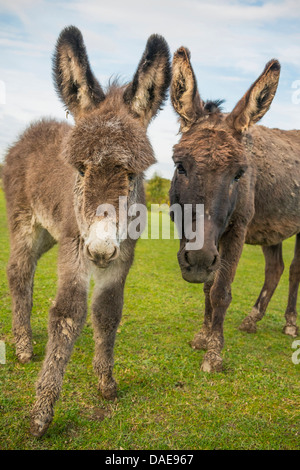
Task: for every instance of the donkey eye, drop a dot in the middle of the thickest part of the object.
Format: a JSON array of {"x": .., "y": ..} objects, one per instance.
[
  {"x": 180, "y": 169},
  {"x": 239, "y": 175},
  {"x": 130, "y": 177},
  {"x": 81, "y": 171}
]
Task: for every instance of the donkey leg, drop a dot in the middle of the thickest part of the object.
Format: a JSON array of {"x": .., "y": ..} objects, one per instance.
[
  {"x": 290, "y": 327},
  {"x": 20, "y": 273},
  {"x": 67, "y": 317},
  {"x": 27, "y": 245},
  {"x": 231, "y": 246},
  {"x": 221, "y": 298},
  {"x": 106, "y": 315},
  {"x": 273, "y": 270},
  {"x": 201, "y": 338}
]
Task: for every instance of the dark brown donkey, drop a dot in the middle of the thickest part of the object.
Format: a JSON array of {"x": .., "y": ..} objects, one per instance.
[
  {"x": 249, "y": 183},
  {"x": 56, "y": 177}
]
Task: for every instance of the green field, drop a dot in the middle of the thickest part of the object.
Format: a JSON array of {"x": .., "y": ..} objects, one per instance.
[{"x": 165, "y": 401}]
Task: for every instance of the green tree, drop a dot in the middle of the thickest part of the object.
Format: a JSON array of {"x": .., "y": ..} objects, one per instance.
[{"x": 157, "y": 190}]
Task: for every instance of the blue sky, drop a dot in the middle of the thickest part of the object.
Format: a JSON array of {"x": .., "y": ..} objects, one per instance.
[{"x": 230, "y": 42}]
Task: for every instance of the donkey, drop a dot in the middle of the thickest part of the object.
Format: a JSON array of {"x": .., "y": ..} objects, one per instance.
[
  {"x": 55, "y": 178},
  {"x": 249, "y": 182}
]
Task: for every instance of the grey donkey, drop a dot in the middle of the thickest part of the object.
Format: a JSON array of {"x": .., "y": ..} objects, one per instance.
[
  {"x": 55, "y": 178},
  {"x": 248, "y": 179}
]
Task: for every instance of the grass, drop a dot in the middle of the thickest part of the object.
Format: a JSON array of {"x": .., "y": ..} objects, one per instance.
[{"x": 165, "y": 401}]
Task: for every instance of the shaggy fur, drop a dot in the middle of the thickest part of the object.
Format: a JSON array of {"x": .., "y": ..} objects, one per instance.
[
  {"x": 55, "y": 177},
  {"x": 248, "y": 179}
]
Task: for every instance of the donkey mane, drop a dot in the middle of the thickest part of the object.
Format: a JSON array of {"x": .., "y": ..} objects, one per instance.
[
  {"x": 211, "y": 147},
  {"x": 214, "y": 106}
]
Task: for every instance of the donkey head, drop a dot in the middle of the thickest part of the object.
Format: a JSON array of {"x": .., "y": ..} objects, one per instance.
[
  {"x": 108, "y": 146},
  {"x": 211, "y": 159}
]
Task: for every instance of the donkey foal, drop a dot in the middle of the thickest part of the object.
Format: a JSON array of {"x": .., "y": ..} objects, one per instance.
[{"x": 55, "y": 178}]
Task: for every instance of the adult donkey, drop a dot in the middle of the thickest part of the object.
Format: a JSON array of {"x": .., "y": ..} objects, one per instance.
[
  {"x": 249, "y": 183},
  {"x": 55, "y": 178}
]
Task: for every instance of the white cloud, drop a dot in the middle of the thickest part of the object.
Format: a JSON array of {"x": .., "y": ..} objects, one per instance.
[{"x": 215, "y": 31}]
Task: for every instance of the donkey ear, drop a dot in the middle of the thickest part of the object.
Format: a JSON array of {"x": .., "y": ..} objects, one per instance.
[
  {"x": 148, "y": 90},
  {"x": 73, "y": 78},
  {"x": 256, "y": 102},
  {"x": 184, "y": 91}
]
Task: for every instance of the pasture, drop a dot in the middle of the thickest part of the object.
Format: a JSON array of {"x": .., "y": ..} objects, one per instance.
[{"x": 164, "y": 401}]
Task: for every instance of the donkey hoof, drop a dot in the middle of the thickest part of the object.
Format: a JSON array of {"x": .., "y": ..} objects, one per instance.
[
  {"x": 212, "y": 362},
  {"x": 109, "y": 392},
  {"x": 199, "y": 341},
  {"x": 39, "y": 425},
  {"x": 291, "y": 330},
  {"x": 248, "y": 325},
  {"x": 41, "y": 418},
  {"x": 24, "y": 357}
]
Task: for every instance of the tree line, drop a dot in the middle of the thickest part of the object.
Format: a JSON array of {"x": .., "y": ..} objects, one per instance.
[{"x": 157, "y": 190}]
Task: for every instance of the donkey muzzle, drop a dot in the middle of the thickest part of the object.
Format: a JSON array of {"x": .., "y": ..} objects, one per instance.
[
  {"x": 200, "y": 265},
  {"x": 102, "y": 246}
]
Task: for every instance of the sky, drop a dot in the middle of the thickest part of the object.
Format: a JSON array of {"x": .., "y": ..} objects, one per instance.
[{"x": 230, "y": 43}]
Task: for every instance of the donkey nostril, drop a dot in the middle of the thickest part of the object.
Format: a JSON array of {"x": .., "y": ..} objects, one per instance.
[
  {"x": 214, "y": 260},
  {"x": 188, "y": 260},
  {"x": 215, "y": 263},
  {"x": 115, "y": 254},
  {"x": 89, "y": 254}
]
